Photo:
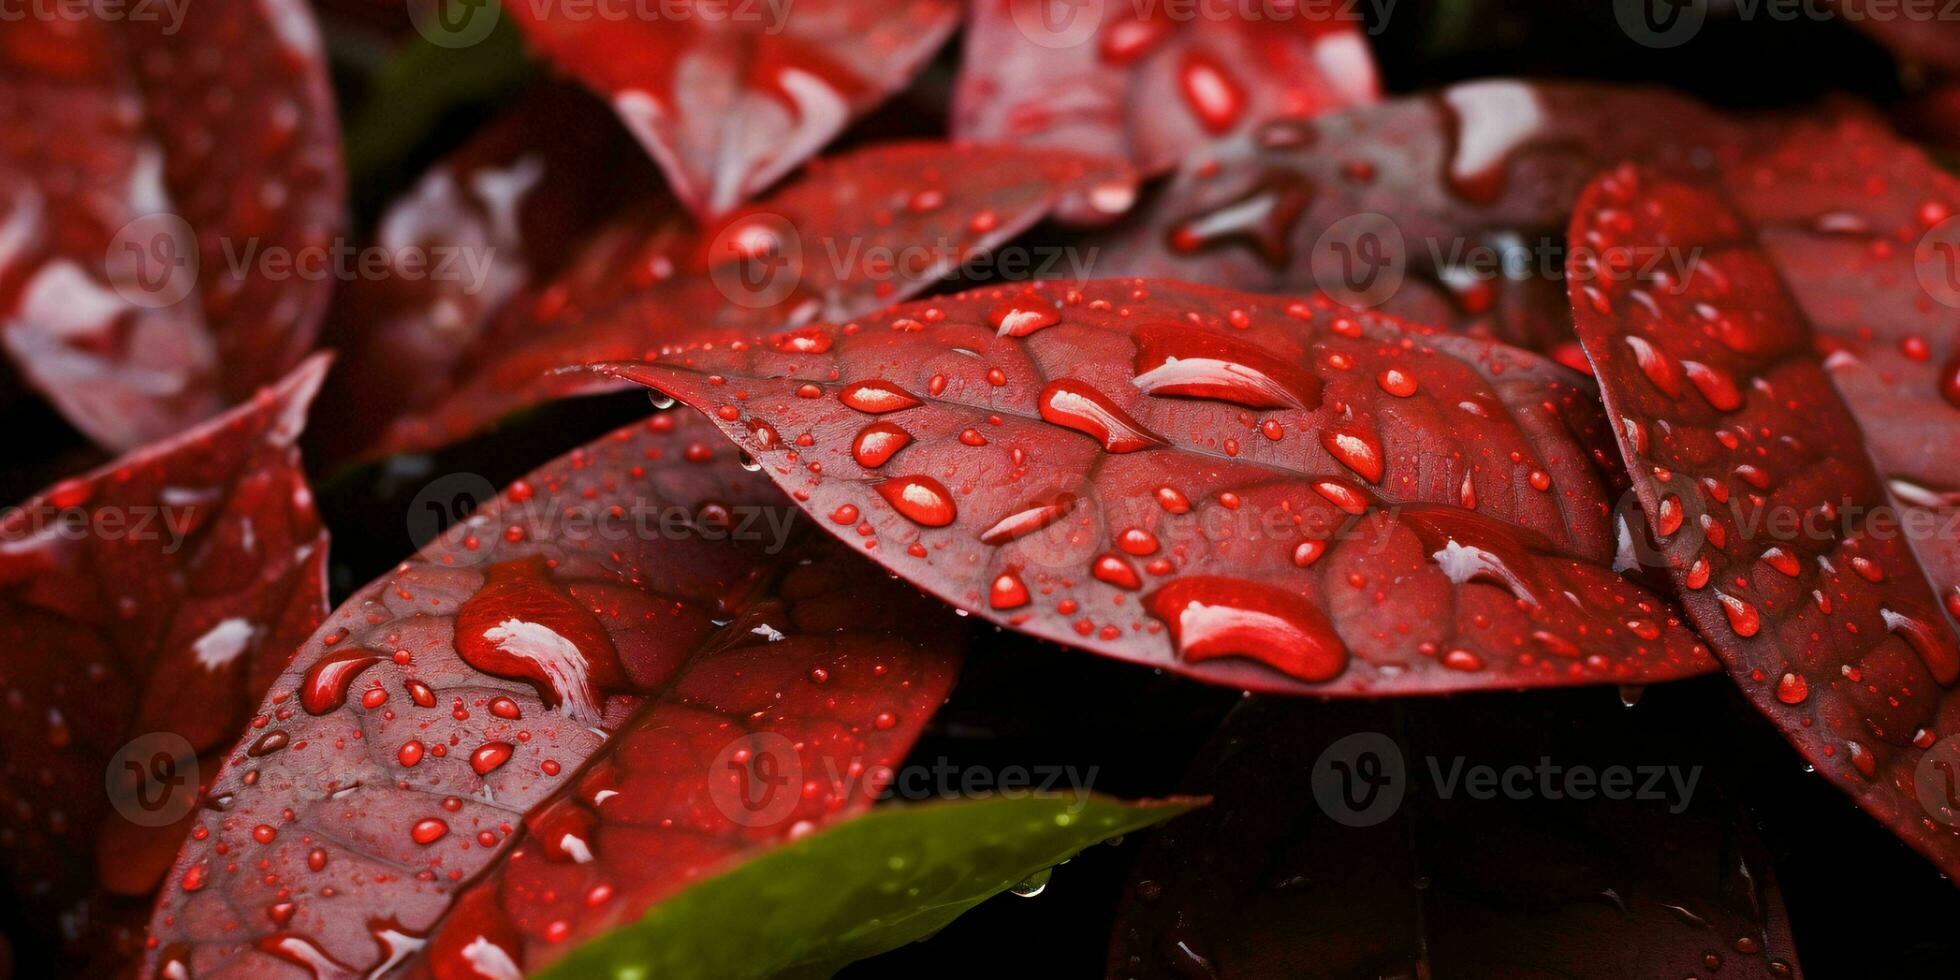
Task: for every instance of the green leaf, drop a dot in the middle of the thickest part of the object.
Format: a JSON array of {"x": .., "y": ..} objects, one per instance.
[
  {"x": 422, "y": 82},
  {"x": 874, "y": 883}
]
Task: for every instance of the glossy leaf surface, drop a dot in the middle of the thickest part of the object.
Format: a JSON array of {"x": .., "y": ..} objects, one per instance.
[
  {"x": 1260, "y": 492},
  {"x": 1755, "y": 478},
  {"x": 536, "y": 718},
  {"x": 144, "y": 609},
  {"x": 729, "y": 99},
  {"x": 889, "y": 877},
  {"x": 164, "y": 175},
  {"x": 853, "y": 234}
]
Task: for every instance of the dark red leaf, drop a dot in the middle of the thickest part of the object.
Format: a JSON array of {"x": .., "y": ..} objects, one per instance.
[
  {"x": 1920, "y": 37},
  {"x": 1447, "y": 209},
  {"x": 1333, "y": 849},
  {"x": 729, "y": 101},
  {"x": 154, "y": 599},
  {"x": 155, "y": 168},
  {"x": 1143, "y": 84},
  {"x": 1857, "y": 222},
  {"x": 1756, "y": 478},
  {"x": 1254, "y": 491},
  {"x": 475, "y": 242},
  {"x": 534, "y": 716},
  {"x": 852, "y": 235}
]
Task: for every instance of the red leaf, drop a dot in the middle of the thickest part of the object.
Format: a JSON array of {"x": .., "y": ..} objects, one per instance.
[
  {"x": 1465, "y": 193},
  {"x": 1145, "y": 85},
  {"x": 474, "y": 244},
  {"x": 729, "y": 104},
  {"x": 156, "y": 170},
  {"x": 154, "y": 600},
  {"x": 551, "y": 687},
  {"x": 1856, "y": 221},
  {"x": 1256, "y": 492},
  {"x": 1380, "y": 856},
  {"x": 852, "y": 235},
  {"x": 1820, "y": 611}
]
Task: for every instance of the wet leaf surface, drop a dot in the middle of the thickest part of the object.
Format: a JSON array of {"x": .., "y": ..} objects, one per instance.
[
  {"x": 1352, "y": 840},
  {"x": 1447, "y": 208},
  {"x": 890, "y": 877},
  {"x": 1148, "y": 84},
  {"x": 853, "y": 234},
  {"x": 730, "y": 99},
  {"x": 522, "y": 736},
  {"x": 1756, "y": 480},
  {"x": 138, "y": 280},
  {"x": 144, "y": 608},
  {"x": 1255, "y": 491}
]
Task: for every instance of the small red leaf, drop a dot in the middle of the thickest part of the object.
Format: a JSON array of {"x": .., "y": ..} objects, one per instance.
[
  {"x": 1459, "y": 540},
  {"x": 1446, "y": 209},
  {"x": 1148, "y": 86},
  {"x": 1853, "y": 656},
  {"x": 729, "y": 101},
  {"x": 152, "y": 600},
  {"x": 168, "y": 178},
  {"x": 852, "y": 235},
  {"x": 661, "y": 672}
]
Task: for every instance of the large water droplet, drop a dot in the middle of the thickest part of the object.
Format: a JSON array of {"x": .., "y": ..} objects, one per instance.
[
  {"x": 922, "y": 499},
  {"x": 1212, "y": 617},
  {"x": 1174, "y": 359},
  {"x": 1072, "y": 404},
  {"x": 324, "y": 688}
]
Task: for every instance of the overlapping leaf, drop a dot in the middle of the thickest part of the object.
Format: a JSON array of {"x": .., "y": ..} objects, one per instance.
[
  {"x": 144, "y": 608},
  {"x": 853, "y": 234},
  {"x": 1150, "y": 84},
  {"x": 1260, "y": 492},
  {"x": 729, "y": 99},
  {"x": 1447, "y": 208},
  {"x": 1756, "y": 479},
  {"x": 1348, "y": 841},
  {"x": 628, "y": 669},
  {"x": 164, "y": 174}
]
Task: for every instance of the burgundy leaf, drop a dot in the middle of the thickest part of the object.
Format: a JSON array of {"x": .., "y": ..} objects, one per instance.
[
  {"x": 1465, "y": 193},
  {"x": 1756, "y": 478},
  {"x": 476, "y": 241},
  {"x": 1921, "y": 37},
  {"x": 1254, "y": 491},
  {"x": 729, "y": 101},
  {"x": 1144, "y": 84},
  {"x": 155, "y": 170},
  {"x": 1328, "y": 853},
  {"x": 155, "y": 600},
  {"x": 1856, "y": 221},
  {"x": 852, "y": 235},
  {"x": 534, "y": 718}
]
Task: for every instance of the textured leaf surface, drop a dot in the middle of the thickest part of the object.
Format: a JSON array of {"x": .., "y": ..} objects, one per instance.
[
  {"x": 1756, "y": 479},
  {"x": 852, "y": 235},
  {"x": 867, "y": 885},
  {"x": 536, "y": 715},
  {"x": 730, "y": 99},
  {"x": 1466, "y": 193},
  {"x": 1431, "y": 880},
  {"x": 1144, "y": 84},
  {"x": 1260, "y": 492},
  {"x": 156, "y": 597},
  {"x": 219, "y": 132},
  {"x": 1856, "y": 222}
]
